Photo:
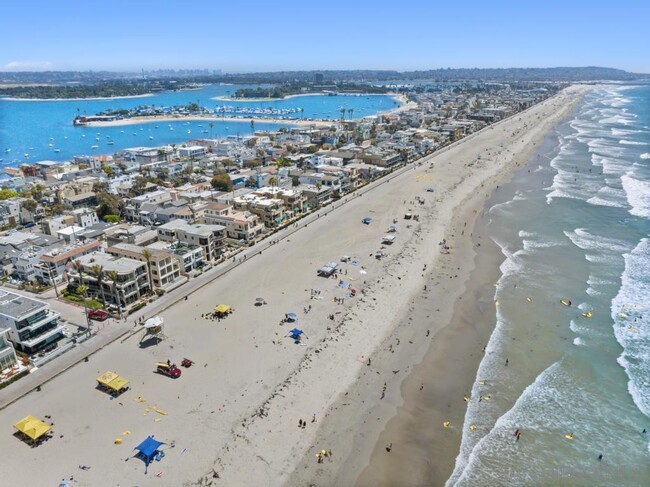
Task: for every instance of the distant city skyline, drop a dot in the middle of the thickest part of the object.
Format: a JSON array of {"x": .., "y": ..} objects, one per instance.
[{"x": 41, "y": 35}]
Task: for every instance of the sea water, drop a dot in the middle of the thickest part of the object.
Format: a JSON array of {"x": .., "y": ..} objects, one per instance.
[
  {"x": 36, "y": 130},
  {"x": 574, "y": 226}
]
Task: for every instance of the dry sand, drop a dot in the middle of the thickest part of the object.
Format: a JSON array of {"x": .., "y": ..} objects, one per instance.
[{"x": 236, "y": 411}]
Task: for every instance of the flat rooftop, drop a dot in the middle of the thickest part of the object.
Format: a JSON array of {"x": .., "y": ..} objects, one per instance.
[{"x": 17, "y": 306}]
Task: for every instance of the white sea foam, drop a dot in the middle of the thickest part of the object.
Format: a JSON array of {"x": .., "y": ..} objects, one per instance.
[
  {"x": 645, "y": 155},
  {"x": 608, "y": 196},
  {"x": 578, "y": 341},
  {"x": 638, "y": 195},
  {"x": 631, "y": 142},
  {"x": 631, "y": 313},
  {"x": 585, "y": 240}
]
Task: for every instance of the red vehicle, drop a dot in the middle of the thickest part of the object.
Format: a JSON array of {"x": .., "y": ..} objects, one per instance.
[
  {"x": 97, "y": 314},
  {"x": 170, "y": 370}
]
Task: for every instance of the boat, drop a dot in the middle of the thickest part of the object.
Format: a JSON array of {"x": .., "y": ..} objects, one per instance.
[
  {"x": 94, "y": 147},
  {"x": 110, "y": 142},
  {"x": 57, "y": 150},
  {"x": 150, "y": 137},
  {"x": 65, "y": 137},
  {"x": 7, "y": 151},
  {"x": 26, "y": 155}
]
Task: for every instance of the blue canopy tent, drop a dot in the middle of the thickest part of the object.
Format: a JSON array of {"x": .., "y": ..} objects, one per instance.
[
  {"x": 295, "y": 334},
  {"x": 148, "y": 449}
]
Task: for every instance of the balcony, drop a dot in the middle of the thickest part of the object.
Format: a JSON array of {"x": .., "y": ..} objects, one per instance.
[{"x": 38, "y": 341}]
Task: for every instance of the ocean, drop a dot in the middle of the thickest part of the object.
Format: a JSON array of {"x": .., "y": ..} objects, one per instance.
[
  {"x": 33, "y": 131},
  {"x": 573, "y": 377}
]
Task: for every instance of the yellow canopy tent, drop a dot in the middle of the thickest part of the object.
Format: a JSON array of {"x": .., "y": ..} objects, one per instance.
[
  {"x": 112, "y": 381},
  {"x": 32, "y": 427},
  {"x": 222, "y": 308}
]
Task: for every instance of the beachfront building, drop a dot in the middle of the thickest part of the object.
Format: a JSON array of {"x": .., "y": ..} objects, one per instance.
[
  {"x": 53, "y": 264},
  {"x": 8, "y": 358},
  {"x": 241, "y": 226},
  {"x": 32, "y": 325},
  {"x": 189, "y": 257},
  {"x": 131, "y": 285},
  {"x": 272, "y": 205},
  {"x": 209, "y": 237},
  {"x": 165, "y": 269}
]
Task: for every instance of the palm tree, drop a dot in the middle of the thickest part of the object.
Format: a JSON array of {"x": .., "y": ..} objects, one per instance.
[
  {"x": 146, "y": 253},
  {"x": 98, "y": 271},
  {"x": 80, "y": 269},
  {"x": 342, "y": 112},
  {"x": 252, "y": 127},
  {"x": 113, "y": 275},
  {"x": 273, "y": 181},
  {"x": 350, "y": 111},
  {"x": 83, "y": 292},
  {"x": 302, "y": 112}
]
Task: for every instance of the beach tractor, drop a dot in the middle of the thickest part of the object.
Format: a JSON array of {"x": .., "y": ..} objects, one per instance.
[{"x": 168, "y": 369}]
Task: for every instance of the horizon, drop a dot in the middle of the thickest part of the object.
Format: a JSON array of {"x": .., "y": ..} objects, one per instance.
[{"x": 343, "y": 36}]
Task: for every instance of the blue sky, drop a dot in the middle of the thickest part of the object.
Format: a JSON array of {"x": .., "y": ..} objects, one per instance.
[{"x": 254, "y": 35}]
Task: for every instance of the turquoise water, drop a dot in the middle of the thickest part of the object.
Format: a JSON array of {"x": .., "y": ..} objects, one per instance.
[
  {"x": 574, "y": 225},
  {"x": 43, "y": 130}
]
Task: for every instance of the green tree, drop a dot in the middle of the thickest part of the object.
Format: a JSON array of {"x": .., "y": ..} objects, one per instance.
[
  {"x": 113, "y": 276},
  {"x": 111, "y": 219},
  {"x": 108, "y": 170},
  {"x": 30, "y": 205},
  {"x": 109, "y": 204},
  {"x": 273, "y": 181},
  {"x": 98, "y": 272},
  {"x": 7, "y": 193},
  {"x": 83, "y": 292},
  {"x": 222, "y": 182},
  {"x": 252, "y": 127},
  {"x": 100, "y": 187},
  {"x": 146, "y": 253}
]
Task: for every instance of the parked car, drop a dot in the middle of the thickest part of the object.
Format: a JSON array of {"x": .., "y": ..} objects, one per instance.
[{"x": 97, "y": 314}]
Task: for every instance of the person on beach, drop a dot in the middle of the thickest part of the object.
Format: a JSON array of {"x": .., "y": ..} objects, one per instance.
[{"x": 389, "y": 447}]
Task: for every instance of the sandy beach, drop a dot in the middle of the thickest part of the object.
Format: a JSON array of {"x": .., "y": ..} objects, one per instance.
[
  {"x": 232, "y": 418},
  {"x": 208, "y": 118}
]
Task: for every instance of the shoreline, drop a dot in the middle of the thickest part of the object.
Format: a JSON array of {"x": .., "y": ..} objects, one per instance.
[
  {"x": 260, "y": 382},
  {"x": 423, "y": 452},
  {"x": 209, "y": 118},
  {"x": 144, "y": 95}
]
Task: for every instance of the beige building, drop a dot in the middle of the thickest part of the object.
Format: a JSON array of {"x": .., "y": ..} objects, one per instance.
[
  {"x": 209, "y": 237},
  {"x": 165, "y": 268},
  {"x": 132, "y": 279}
]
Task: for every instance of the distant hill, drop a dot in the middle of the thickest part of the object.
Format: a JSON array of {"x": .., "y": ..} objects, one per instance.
[{"x": 62, "y": 78}]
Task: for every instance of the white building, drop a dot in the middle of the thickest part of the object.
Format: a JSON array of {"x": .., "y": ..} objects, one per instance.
[
  {"x": 7, "y": 353},
  {"x": 32, "y": 325}
]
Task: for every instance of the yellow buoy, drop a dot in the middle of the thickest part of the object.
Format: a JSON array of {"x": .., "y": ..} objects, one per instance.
[{"x": 588, "y": 314}]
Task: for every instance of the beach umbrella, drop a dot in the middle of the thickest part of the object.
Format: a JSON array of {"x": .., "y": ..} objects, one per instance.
[
  {"x": 296, "y": 332},
  {"x": 292, "y": 316},
  {"x": 259, "y": 300}
]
